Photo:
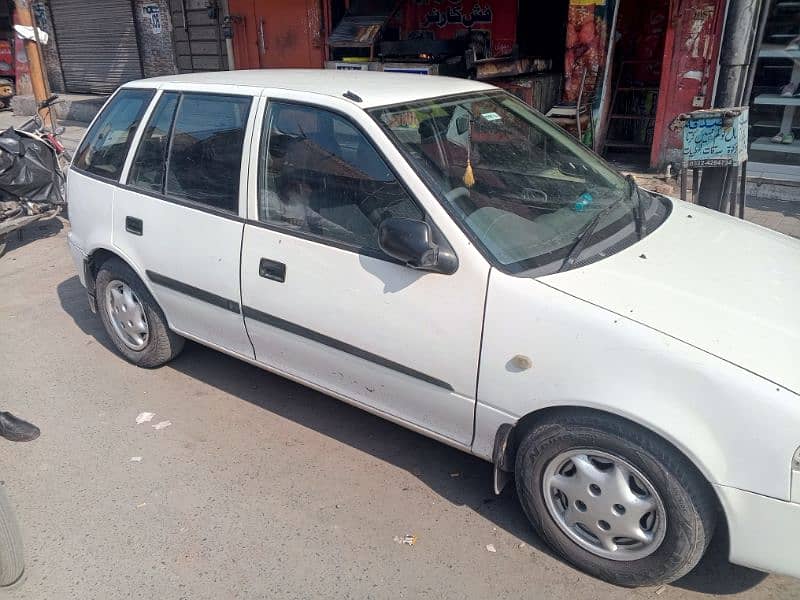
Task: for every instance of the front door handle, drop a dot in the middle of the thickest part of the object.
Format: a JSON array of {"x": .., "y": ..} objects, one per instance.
[
  {"x": 134, "y": 225},
  {"x": 272, "y": 269}
]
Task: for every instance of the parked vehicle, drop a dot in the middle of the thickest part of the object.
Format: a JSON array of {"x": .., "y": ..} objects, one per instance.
[
  {"x": 33, "y": 165},
  {"x": 437, "y": 253}
]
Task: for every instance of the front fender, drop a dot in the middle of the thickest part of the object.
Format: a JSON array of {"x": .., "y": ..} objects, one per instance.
[{"x": 738, "y": 429}]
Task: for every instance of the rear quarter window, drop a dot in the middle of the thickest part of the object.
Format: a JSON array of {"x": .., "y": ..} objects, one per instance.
[{"x": 106, "y": 145}]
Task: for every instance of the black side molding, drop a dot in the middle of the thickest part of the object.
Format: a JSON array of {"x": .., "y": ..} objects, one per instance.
[
  {"x": 190, "y": 290},
  {"x": 257, "y": 315}
]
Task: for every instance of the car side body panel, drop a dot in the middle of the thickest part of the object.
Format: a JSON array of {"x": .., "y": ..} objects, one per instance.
[{"x": 582, "y": 355}]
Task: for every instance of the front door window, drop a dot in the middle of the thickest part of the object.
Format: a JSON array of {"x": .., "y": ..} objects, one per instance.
[{"x": 320, "y": 176}]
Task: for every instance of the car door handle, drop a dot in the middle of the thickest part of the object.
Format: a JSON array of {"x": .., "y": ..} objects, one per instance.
[
  {"x": 272, "y": 269},
  {"x": 134, "y": 225}
]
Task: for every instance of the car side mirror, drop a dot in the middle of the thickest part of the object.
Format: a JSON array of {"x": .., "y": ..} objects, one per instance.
[{"x": 411, "y": 241}]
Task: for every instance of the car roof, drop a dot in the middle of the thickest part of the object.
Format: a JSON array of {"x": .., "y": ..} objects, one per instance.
[{"x": 375, "y": 88}]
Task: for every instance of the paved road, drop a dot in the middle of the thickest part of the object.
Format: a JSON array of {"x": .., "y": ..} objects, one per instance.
[{"x": 260, "y": 488}]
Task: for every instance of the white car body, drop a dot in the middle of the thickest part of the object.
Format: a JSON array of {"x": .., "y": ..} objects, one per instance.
[{"x": 692, "y": 332}]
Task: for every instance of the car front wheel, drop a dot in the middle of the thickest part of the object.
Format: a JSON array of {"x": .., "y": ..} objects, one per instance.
[
  {"x": 614, "y": 499},
  {"x": 132, "y": 318}
]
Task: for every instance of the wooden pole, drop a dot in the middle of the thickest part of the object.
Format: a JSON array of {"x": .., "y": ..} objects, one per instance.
[{"x": 41, "y": 87}]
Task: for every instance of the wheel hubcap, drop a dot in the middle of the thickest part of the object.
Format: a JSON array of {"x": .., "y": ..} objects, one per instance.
[
  {"x": 604, "y": 504},
  {"x": 127, "y": 315}
]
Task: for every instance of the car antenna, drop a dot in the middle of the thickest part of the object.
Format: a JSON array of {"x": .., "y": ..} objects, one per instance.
[{"x": 352, "y": 96}]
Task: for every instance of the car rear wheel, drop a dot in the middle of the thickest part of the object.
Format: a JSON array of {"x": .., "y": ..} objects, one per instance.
[
  {"x": 132, "y": 318},
  {"x": 614, "y": 499}
]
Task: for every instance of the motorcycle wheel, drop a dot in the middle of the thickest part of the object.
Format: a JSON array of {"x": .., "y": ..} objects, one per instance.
[{"x": 12, "y": 563}]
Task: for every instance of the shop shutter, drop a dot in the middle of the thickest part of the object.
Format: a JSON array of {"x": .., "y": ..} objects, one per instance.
[{"x": 97, "y": 43}]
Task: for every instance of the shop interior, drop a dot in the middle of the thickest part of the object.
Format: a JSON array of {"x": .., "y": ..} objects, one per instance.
[
  {"x": 520, "y": 50},
  {"x": 552, "y": 55},
  {"x": 637, "y": 56},
  {"x": 774, "y": 124}
]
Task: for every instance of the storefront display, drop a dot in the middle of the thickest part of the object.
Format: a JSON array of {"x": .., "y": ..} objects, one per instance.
[{"x": 775, "y": 131}]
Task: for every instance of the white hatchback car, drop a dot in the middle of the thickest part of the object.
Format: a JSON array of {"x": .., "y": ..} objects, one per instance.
[{"x": 437, "y": 253}]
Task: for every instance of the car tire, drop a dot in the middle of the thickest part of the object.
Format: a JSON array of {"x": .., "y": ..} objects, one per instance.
[
  {"x": 12, "y": 562},
  {"x": 617, "y": 459},
  {"x": 153, "y": 343}
]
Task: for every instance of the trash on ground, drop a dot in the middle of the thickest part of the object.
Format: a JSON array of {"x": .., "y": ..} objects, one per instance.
[
  {"x": 144, "y": 417},
  {"x": 162, "y": 424},
  {"x": 661, "y": 590},
  {"x": 521, "y": 545},
  {"x": 491, "y": 548},
  {"x": 141, "y": 505},
  {"x": 136, "y": 459},
  {"x": 408, "y": 539},
  {"x": 456, "y": 474}
]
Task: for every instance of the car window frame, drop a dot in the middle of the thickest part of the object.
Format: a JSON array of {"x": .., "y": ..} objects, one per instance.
[
  {"x": 250, "y": 125},
  {"x": 133, "y": 139},
  {"x": 258, "y": 139}
]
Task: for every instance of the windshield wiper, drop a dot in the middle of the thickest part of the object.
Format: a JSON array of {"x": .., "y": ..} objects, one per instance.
[
  {"x": 586, "y": 234},
  {"x": 638, "y": 207}
]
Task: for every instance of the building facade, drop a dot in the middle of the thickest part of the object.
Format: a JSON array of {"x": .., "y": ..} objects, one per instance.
[{"x": 635, "y": 65}]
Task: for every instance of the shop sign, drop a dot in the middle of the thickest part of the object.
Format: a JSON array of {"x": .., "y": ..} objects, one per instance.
[
  {"x": 447, "y": 18},
  {"x": 715, "y": 138},
  {"x": 153, "y": 12}
]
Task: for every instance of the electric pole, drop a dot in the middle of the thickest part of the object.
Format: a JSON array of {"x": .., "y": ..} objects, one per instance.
[
  {"x": 738, "y": 55},
  {"x": 39, "y": 83}
]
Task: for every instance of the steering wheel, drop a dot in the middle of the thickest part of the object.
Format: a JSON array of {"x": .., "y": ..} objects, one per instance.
[
  {"x": 456, "y": 194},
  {"x": 459, "y": 197}
]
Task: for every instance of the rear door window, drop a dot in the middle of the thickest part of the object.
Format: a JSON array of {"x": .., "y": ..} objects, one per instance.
[
  {"x": 149, "y": 165},
  {"x": 205, "y": 151},
  {"x": 105, "y": 147}
]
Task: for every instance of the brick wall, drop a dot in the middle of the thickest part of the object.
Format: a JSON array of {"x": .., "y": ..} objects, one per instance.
[{"x": 155, "y": 48}]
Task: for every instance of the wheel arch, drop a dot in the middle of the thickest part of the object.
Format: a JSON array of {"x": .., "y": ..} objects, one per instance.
[
  {"x": 509, "y": 436},
  {"x": 101, "y": 254}
]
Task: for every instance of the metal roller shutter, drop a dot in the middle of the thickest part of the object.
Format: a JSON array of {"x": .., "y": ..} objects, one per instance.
[{"x": 97, "y": 43}]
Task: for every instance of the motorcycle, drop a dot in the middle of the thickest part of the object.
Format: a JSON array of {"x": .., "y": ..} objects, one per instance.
[
  {"x": 12, "y": 563},
  {"x": 33, "y": 165}
]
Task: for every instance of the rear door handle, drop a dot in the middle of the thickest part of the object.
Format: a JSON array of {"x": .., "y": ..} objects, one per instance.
[
  {"x": 272, "y": 269},
  {"x": 134, "y": 225}
]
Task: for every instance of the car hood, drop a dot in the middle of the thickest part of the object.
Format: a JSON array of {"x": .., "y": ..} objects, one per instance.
[{"x": 728, "y": 287}]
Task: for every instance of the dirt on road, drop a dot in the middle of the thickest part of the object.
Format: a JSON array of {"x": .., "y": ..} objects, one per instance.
[{"x": 259, "y": 488}]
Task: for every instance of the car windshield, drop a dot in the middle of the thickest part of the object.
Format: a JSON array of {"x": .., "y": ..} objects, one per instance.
[{"x": 524, "y": 188}]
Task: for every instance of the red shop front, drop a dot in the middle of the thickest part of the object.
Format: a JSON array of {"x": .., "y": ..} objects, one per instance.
[
  {"x": 661, "y": 61},
  {"x": 635, "y": 64}
]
